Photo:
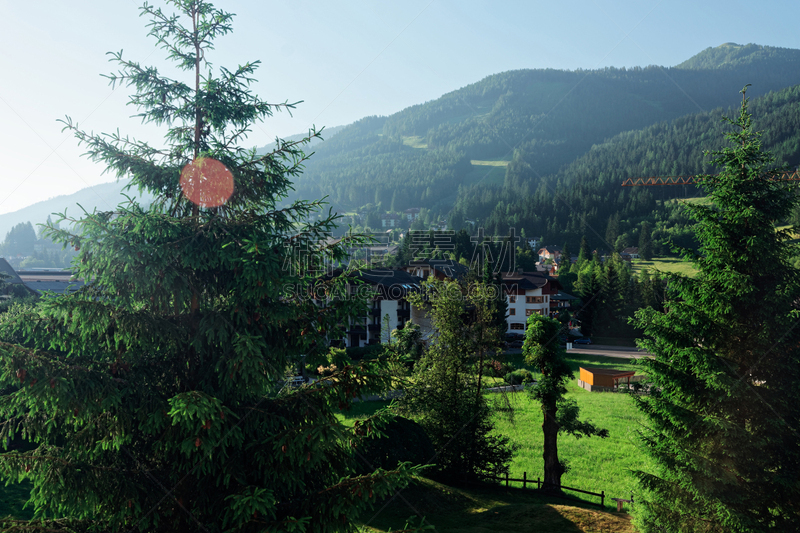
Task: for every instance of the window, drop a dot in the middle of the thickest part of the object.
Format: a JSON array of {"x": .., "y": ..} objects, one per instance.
[
  {"x": 534, "y": 299},
  {"x": 512, "y": 299},
  {"x": 528, "y": 312},
  {"x": 516, "y": 325},
  {"x": 512, "y": 311}
]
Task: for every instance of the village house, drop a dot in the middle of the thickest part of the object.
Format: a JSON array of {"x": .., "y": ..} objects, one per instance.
[
  {"x": 438, "y": 268},
  {"x": 527, "y": 293},
  {"x": 411, "y": 214},
  {"x": 550, "y": 252},
  {"x": 562, "y": 301},
  {"x": 388, "y": 309},
  {"x": 391, "y": 220}
]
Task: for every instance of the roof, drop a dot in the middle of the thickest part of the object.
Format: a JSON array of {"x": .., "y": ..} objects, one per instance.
[
  {"x": 56, "y": 286},
  {"x": 391, "y": 283},
  {"x": 551, "y": 249},
  {"x": 631, "y": 250},
  {"x": 528, "y": 280},
  {"x": 54, "y": 280},
  {"x": 616, "y": 374},
  {"x": 7, "y": 269}
]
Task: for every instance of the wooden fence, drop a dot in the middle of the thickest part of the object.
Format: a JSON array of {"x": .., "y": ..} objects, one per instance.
[{"x": 525, "y": 481}]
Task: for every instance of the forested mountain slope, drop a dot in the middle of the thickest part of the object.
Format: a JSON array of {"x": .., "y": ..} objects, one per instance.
[
  {"x": 580, "y": 198},
  {"x": 419, "y": 157}
]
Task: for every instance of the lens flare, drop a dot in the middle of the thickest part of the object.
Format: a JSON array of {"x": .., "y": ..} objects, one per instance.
[{"x": 207, "y": 182}]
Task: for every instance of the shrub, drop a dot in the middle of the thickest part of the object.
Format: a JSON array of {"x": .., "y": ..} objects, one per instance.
[
  {"x": 519, "y": 377},
  {"x": 497, "y": 369}
]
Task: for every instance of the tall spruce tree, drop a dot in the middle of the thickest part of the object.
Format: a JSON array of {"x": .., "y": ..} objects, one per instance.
[
  {"x": 154, "y": 396},
  {"x": 722, "y": 417}
]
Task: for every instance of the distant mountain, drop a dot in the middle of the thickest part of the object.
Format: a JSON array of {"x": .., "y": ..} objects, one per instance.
[
  {"x": 103, "y": 197},
  {"x": 327, "y": 133},
  {"x": 581, "y": 198},
  {"x": 424, "y": 155},
  {"x": 732, "y": 55}
]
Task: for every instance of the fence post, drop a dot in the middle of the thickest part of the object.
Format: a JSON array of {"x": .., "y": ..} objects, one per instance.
[
  {"x": 538, "y": 483},
  {"x": 524, "y": 479},
  {"x": 603, "y": 500},
  {"x": 506, "y": 479}
]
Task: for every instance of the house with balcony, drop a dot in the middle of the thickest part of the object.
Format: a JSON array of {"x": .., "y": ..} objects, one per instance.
[
  {"x": 391, "y": 220},
  {"x": 549, "y": 252},
  {"x": 388, "y": 309},
  {"x": 527, "y": 293},
  {"x": 561, "y": 301}
]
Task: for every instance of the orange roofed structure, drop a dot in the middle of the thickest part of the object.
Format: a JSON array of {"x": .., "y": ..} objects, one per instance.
[{"x": 603, "y": 379}]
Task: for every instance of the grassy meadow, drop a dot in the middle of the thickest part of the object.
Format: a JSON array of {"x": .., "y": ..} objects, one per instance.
[
  {"x": 664, "y": 264},
  {"x": 595, "y": 465}
]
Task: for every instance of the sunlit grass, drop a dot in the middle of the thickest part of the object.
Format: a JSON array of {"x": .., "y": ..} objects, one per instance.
[
  {"x": 487, "y": 163},
  {"x": 595, "y": 464},
  {"x": 415, "y": 141},
  {"x": 664, "y": 264}
]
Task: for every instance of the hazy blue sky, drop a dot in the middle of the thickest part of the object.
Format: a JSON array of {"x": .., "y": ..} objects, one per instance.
[{"x": 345, "y": 59}]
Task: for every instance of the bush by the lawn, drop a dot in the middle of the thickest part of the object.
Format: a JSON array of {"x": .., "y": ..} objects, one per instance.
[{"x": 519, "y": 377}]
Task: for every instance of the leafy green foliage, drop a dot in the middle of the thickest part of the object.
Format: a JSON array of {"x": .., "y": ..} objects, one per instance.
[
  {"x": 721, "y": 417},
  {"x": 445, "y": 396},
  {"x": 155, "y": 395},
  {"x": 542, "y": 351}
]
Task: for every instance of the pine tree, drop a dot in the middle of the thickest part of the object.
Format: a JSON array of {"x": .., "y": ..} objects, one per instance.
[
  {"x": 560, "y": 415},
  {"x": 155, "y": 396},
  {"x": 585, "y": 253},
  {"x": 723, "y": 413},
  {"x": 445, "y": 396},
  {"x": 645, "y": 242}
]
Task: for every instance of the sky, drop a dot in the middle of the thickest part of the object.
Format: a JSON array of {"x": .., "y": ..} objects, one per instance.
[{"x": 345, "y": 59}]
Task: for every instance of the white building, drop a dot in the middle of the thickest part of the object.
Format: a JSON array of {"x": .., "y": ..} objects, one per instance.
[
  {"x": 527, "y": 293},
  {"x": 389, "y": 308}
]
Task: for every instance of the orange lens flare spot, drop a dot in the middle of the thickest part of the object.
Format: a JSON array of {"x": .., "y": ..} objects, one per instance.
[{"x": 207, "y": 182}]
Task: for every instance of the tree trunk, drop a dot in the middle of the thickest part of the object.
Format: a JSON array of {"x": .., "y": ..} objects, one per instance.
[{"x": 552, "y": 467}]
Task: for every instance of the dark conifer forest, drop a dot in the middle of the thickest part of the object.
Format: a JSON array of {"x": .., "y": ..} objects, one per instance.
[{"x": 546, "y": 150}]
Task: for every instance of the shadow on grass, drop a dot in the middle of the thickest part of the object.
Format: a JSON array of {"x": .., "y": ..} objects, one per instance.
[{"x": 485, "y": 507}]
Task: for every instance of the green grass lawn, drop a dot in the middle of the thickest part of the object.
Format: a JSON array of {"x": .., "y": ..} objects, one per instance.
[
  {"x": 595, "y": 464},
  {"x": 664, "y": 264},
  {"x": 489, "y": 163},
  {"x": 415, "y": 141}
]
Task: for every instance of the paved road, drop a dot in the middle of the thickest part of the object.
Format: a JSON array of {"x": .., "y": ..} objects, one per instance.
[{"x": 608, "y": 351}]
